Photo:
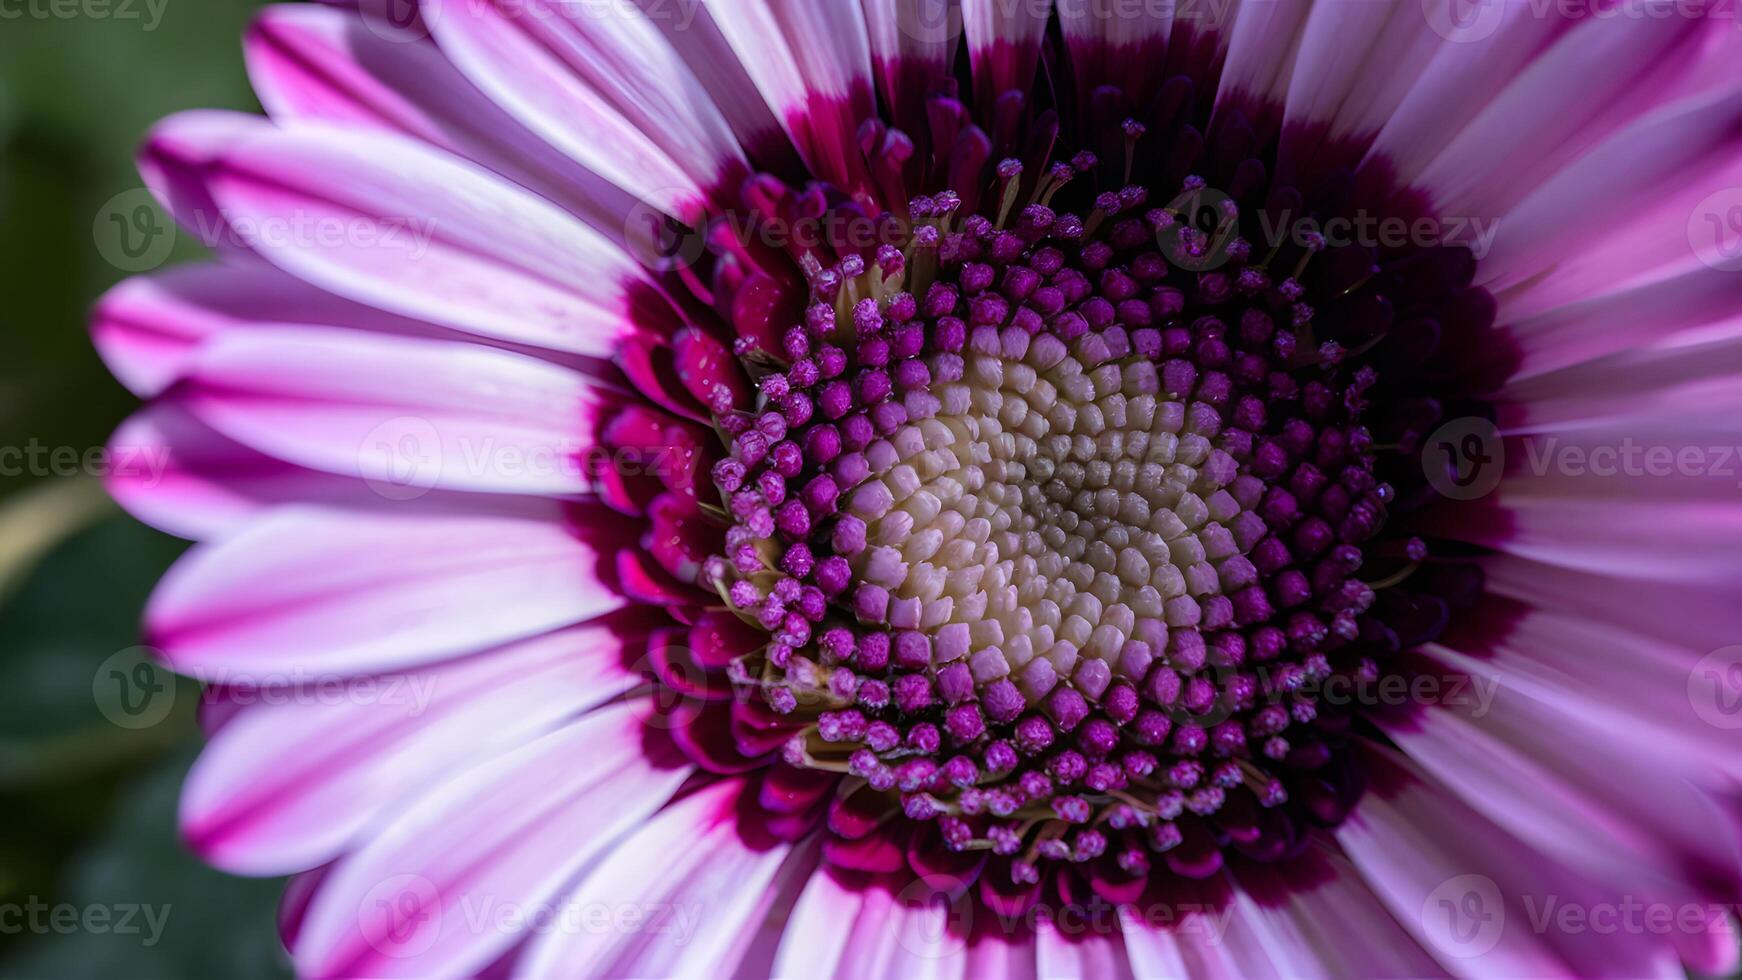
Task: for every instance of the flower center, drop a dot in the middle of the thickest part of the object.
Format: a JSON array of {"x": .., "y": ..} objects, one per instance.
[{"x": 1053, "y": 522}]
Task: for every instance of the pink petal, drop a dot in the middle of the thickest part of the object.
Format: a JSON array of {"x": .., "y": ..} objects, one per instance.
[
  {"x": 326, "y": 591},
  {"x": 1261, "y": 48},
  {"x": 1091, "y": 953},
  {"x": 455, "y": 879},
  {"x": 1004, "y": 43},
  {"x": 147, "y": 327},
  {"x": 173, "y": 472},
  {"x": 1668, "y": 394},
  {"x": 1315, "y": 909},
  {"x": 603, "y": 86},
  {"x": 1693, "y": 617},
  {"x": 1459, "y": 884},
  {"x": 1117, "y": 45},
  {"x": 1631, "y": 683},
  {"x": 1683, "y": 299},
  {"x": 701, "y": 44},
  {"x": 315, "y": 64},
  {"x": 700, "y": 892},
  {"x": 293, "y": 904},
  {"x": 1355, "y": 63},
  {"x": 1552, "y": 111},
  {"x": 813, "y": 66},
  {"x": 174, "y": 161},
  {"x": 913, "y": 46},
  {"x": 1585, "y": 786},
  {"x": 408, "y": 413},
  {"x": 403, "y": 227},
  {"x": 1636, "y": 170},
  {"x": 869, "y": 928},
  {"x": 1687, "y": 541},
  {"x": 309, "y": 760}
]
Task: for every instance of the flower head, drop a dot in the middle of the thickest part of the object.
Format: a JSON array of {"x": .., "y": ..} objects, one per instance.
[{"x": 885, "y": 501}]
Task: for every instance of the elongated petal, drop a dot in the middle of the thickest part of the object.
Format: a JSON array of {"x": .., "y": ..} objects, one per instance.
[
  {"x": 459, "y": 877},
  {"x": 398, "y": 225},
  {"x": 429, "y": 413},
  {"x": 349, "y": 593},
  {"x": 701, "y": 892},
  {"x": 174, "y": 472},
  {"x": 309, "y": 760}
]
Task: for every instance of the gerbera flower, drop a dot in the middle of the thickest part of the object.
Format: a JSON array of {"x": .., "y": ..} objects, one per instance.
[{"x": 892, "y": 486}]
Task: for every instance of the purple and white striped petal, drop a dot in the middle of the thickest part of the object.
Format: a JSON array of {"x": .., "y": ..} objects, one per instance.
[
  {"x": 428, "y": 413},
  {"x": 698, "y": 889},
  {"x": 172, "y": 471},
  {"x": 310, "y": 760},
  {"x": 400, "y": 226},
  {"x": 603, "y": 86},
  {"x": 360, "y": 592},
  {"x": 462, "y": 874}
]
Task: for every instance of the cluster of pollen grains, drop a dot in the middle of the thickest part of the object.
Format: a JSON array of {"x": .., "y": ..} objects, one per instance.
[{"x": 1052, "y": 537}]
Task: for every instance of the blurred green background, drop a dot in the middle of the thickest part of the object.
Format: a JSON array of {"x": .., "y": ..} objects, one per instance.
[{"x": 87, "y": 806}]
